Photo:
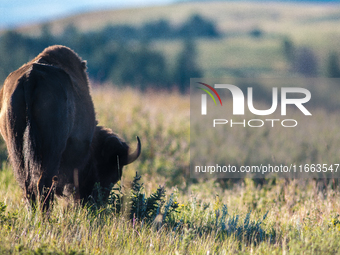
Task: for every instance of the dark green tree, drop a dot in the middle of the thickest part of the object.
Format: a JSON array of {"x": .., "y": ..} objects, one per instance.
[
  {"x": 14, "y": 52},
  {"x": 157, "y": 29},
  {"x": 140, "y": 67},
  {"x": 46, "y": 37},
  {"x": 186, "y": 66},
  {"x": 306, "y": 62},
  {"x": 288, "y": 50},
  {"x": 256, "y": 33},
  {"x": 198, "y": 26},
  {"x": 333, "y": 66}
]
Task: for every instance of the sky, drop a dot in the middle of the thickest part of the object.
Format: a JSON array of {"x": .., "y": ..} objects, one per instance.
[{"x": 19, "y": 12}]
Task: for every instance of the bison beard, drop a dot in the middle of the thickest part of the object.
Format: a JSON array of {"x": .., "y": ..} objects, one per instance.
[{"x": 47, "y": 120}]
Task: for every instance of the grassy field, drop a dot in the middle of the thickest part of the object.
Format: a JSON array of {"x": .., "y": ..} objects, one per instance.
[
  {"x": 204, "y": 216},
  {"x": 207, "y": 216}
]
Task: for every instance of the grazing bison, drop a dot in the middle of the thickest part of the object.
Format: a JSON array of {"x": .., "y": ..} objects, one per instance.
[
  {"x": 47, "y": 120},
  {"x": 108, "y": 155}
]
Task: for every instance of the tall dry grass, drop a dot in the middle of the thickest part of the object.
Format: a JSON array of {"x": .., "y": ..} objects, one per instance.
[{"x": 300, "y": 216}]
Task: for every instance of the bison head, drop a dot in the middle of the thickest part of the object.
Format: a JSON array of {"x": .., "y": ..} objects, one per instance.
[{"x": 110, "y": 154}]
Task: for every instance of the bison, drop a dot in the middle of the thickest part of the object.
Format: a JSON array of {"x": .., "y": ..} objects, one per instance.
[{"x": 48, "y": 122}]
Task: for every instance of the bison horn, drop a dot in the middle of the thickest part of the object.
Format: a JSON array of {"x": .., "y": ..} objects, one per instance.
[{"x": 134, "y": 155}]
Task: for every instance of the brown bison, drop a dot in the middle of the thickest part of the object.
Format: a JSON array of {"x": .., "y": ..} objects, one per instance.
[{"x": 47, "y": 120}]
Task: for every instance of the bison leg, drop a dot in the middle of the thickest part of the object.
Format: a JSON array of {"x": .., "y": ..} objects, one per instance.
[{"x": 50, "y": 114}]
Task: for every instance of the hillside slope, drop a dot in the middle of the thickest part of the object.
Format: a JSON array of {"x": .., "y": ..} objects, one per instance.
[
  {"x": 235, "y": 16},
  {"x": 238, "y": 52}
]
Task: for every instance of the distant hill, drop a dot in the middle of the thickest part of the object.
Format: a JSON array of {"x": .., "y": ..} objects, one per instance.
[
  {"x": 16, "y": 13},
  {"x": 254, "y": 37},
  {"x": 230, "y": 15}
]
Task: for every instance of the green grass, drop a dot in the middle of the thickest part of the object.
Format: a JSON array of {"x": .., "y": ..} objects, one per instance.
[
  {"x": 281, "y": 216},
  {"x": 212, "y": 216}
]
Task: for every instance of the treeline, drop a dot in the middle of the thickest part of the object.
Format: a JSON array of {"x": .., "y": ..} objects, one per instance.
[
  {"x": 303, "y": 60},
  {"x": 196, "y": 26},
  {"x": 120, "y": 54}
]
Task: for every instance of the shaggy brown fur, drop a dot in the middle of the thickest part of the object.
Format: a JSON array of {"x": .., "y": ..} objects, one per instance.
[{"x": 47, "y": 120}]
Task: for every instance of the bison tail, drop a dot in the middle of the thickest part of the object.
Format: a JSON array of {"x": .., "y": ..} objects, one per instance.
[
  {"x": 44, "y": 140},
  {"x": 32, "y": 152}
]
